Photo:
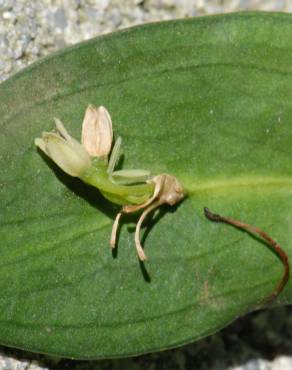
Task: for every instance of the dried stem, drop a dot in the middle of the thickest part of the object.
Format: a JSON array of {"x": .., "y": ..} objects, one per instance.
[
  {"x": 114, "y": 230},
  {"x": 139, "y": 248},
  {"x": 167, "y": 190},
  {"x": 276, "y": 248}
]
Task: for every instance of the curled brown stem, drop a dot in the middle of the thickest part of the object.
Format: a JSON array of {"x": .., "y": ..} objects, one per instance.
[{"x": 271, "y": 243}]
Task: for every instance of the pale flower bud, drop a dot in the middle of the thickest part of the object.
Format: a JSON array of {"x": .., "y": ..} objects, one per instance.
[
  {"x": 65, "y": 151},
  {"x": 97, "y": 132}
]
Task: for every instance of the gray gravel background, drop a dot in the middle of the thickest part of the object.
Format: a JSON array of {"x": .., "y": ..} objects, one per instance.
[{"x": 32, "y": 29}]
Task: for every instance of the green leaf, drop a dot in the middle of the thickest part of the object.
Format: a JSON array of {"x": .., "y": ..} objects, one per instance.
[{"x": 208, "y": 100}]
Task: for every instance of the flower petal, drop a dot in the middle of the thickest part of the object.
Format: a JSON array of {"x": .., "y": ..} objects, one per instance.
[
  {"x": 41, "y": 144},
  {"x": 61, "y": 129},
  {"x": 97, "y": 132},
  {"x": 131, "y": 176},
  {"x": 115, "y": 155},
  {"x": 71, "y": 157}
]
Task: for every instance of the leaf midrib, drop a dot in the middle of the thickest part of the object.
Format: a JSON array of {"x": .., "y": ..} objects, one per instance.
[{"x": 237, "y": 182}]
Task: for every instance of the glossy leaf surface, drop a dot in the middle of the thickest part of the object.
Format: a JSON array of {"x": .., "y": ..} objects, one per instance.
[{"x": 208, "y": 100}]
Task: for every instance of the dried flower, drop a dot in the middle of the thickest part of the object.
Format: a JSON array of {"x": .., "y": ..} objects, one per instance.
[
  {"x": 135, "y": 189},
  {"x": 167, "y": 190}
]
